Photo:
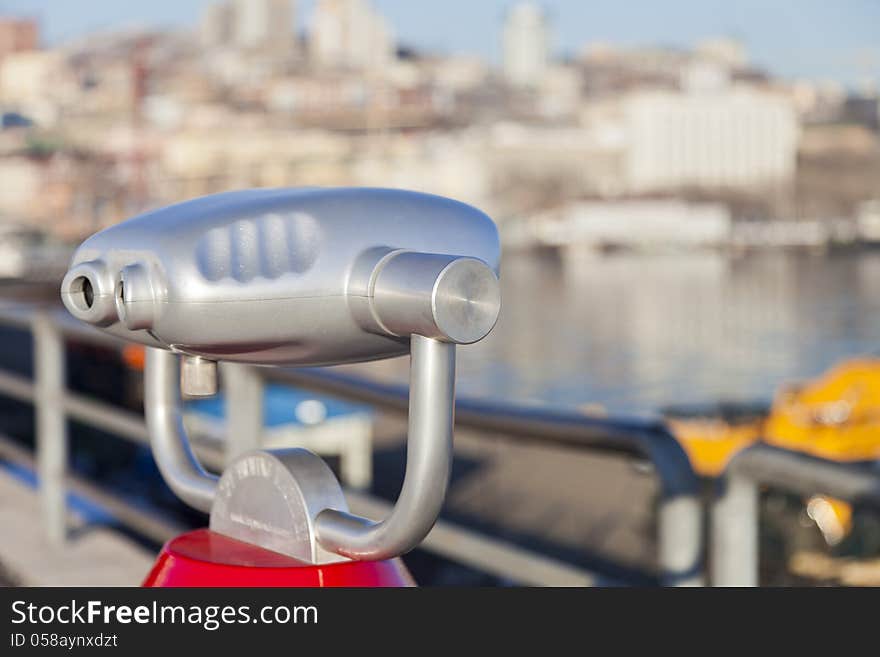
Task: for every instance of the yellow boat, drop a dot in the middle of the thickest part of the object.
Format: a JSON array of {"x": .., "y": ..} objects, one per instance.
[{"x": 835, "y": 416}]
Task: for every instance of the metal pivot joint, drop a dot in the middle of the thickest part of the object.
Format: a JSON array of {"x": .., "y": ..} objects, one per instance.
[{"x": 292, "y": 277}]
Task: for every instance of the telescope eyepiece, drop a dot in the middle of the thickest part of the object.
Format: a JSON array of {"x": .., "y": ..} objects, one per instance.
[
  {"x": 88, "y": 294},
  {"x": 135, "y": 297}
]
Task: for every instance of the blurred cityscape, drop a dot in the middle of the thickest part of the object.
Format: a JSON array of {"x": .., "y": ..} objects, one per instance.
[
  {"x": 632, "y": 147},
  {"x": 685, "y": 233}
]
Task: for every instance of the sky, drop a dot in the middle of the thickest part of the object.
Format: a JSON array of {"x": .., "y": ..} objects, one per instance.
[{"x": 817, "y": 39}]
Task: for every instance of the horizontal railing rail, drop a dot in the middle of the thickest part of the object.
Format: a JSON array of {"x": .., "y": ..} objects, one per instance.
[
  {"x": 144, "y": 523},
  {"x": 735, "y": 511},
  {"x": 679, "y": 510}
]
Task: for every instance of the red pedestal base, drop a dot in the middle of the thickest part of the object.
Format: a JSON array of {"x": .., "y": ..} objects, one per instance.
[{"x": 205, "y": 558}]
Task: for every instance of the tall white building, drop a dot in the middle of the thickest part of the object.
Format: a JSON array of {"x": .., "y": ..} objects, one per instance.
[
  {"x": 349, "y": 34},
  {"x": 525, "y": 45},
  {"x": 264, "y": 25},
  {"x": 215, "y": 27},
  {"x": 736, "y": 138}
]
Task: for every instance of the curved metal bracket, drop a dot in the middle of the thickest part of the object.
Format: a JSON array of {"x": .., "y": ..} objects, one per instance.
[
  {"x": 428, "y": 465},
  {"x": 179, "y": 467}
]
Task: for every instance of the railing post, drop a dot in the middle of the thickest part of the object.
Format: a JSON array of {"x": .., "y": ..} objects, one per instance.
[
  {"x": 356, "y": 467},
  {"x": 51, "y": 424},
  {"x": 734, "y": 539},
  {"x": 680, "y": 540},
  {"x": 243, "y": 387}
]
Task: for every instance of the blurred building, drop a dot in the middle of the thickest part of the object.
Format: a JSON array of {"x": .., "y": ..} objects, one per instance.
[
  {"x": 560, "y": 91},
  {"x": 265, "y": 25},
  {"x": 158, "y": 116},
  {"x": 847, "y": 140},
  {"x": 541, "y": 166},
  {"x": 67, "y": 194},
  {"x": 23, "y": 179},
  {"x": 863, "y": 109},
  {"x": 349, "y": 34},
  {"x": 215, "y": 158},
  {"x": 868, "y": 220},
  {"x": 450, "y": 164},
  {"x": 818, "y": 102},
  {"x": 37, "y": 84},
  {"x": 704, "y": 76},
  {"x": 725, "y": 51},
  {"x": 738, "y": 138},
  {"x": 216, "y": 24},
  {"x": 456, "y": 73},
  {"x": 18, "y": 35},
  {"x": 610, "y": 70},
  {"x": 526, "y": 45},
  {"x": 639, "y": 224}
]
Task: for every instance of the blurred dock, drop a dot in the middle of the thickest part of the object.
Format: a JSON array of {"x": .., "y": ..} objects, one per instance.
[
  {"x": 593, "y": 509},
  {"x": 94, "y": 555}
]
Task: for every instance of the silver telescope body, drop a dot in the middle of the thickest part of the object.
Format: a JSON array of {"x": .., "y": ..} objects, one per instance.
[
  {"x": 292, "y": 277},
  {"x": 297, "y": 277}
]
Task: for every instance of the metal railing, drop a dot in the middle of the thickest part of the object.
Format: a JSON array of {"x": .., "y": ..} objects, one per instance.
[
  {"x": 679, "y": 513},
  {"x": 680, "y": 510},
  {"x": 733, "y": 531},
  {"x": 735, "y": 509}
]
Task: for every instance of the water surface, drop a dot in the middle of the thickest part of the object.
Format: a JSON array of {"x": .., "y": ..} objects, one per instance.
[{"x": 635, "y": 333}]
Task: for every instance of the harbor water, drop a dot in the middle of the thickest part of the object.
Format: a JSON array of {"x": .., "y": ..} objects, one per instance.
[{"x": 635, "y": 333}]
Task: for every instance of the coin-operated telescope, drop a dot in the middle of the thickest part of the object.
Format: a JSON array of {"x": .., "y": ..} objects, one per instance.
[{"x": 293, "y": 277}]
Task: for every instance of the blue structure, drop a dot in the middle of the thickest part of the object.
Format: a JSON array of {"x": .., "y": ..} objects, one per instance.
[
  {"x": 298, "y": 418},
  {"x": 285, "y": 407}
]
